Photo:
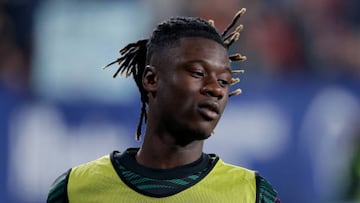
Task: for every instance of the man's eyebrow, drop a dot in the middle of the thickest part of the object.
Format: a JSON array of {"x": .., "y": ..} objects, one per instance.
[{"x": 197, "y": 61}]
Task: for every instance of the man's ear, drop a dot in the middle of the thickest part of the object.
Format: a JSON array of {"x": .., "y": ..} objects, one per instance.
[{"x": 150, "y": 78}]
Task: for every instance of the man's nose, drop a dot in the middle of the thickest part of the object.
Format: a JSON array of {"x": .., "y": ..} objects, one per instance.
[{"x": 212, "y": 88}]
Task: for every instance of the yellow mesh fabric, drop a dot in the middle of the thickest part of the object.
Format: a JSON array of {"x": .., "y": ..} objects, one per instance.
[{"x": 97, "y": 181}]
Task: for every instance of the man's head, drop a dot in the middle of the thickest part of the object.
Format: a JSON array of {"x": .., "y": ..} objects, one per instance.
[
  {"x": 188, "y": 88},
  {"x": 149, "y": 54}
]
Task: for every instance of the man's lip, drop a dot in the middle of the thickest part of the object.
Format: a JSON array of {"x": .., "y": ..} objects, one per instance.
[{"x": 209, "y": 109}]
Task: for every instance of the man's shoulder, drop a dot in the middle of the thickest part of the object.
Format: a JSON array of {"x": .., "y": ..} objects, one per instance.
[
  {"x": 234, "y": 169},
  {"x": 58, "y": 189},
  {"x": 265, "y": 192},
  {"x": 96, "y": 162}
]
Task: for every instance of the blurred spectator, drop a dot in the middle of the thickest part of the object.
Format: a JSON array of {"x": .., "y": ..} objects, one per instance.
[
  {"x": 15, "y": 45},
  {"x": 13, "y": 68}
]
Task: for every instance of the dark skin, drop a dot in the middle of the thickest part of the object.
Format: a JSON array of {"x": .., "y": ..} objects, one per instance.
[{"x": 188, "y": 87}]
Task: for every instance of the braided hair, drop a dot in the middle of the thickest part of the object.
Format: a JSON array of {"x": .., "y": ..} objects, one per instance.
[{"x": 135, "y": 56}]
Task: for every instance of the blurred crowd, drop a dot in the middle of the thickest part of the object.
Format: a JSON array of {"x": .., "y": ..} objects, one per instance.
[
  {"x": 299, "y": 36},
  {"x": 281, "y": 37}
]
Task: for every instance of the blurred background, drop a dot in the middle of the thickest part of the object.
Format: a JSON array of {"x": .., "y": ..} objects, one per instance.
[{"x": 297, "y": 121}]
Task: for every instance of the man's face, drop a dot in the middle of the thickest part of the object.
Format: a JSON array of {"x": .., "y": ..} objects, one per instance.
[{"x": 193, "y": 87}]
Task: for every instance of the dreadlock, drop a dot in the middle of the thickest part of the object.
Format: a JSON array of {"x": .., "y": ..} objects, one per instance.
[{"x": 135, "y": 56}]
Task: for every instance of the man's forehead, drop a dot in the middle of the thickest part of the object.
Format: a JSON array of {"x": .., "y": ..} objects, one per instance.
[{"x": 191, "y": 45}]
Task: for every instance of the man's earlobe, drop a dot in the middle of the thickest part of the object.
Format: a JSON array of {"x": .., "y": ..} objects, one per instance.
[{"x": 150, "y": 78}]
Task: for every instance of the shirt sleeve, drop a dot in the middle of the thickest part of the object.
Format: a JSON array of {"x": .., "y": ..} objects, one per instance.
[
  {"x": 58, "y": 190},
  {"x": 265, "y": 193}
]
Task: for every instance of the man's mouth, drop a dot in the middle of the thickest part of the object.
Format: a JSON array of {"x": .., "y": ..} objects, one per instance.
[{"x": 209, "y": 110}]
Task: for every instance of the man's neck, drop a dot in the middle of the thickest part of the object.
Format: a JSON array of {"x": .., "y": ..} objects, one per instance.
[{"x": 164, "y": 153}]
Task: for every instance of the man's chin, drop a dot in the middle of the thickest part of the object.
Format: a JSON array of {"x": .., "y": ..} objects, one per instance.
[
  {"x": 202, "y": 135},
  {"x": 191, "y": 136}
]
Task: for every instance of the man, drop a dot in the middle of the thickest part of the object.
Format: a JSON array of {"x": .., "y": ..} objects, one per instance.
[{"x": 184, "y": 75}]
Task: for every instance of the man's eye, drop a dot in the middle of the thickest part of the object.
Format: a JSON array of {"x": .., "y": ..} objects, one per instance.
[
  {"x": 197, "y": 74},
  {"x": 223, "y": 83}
]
